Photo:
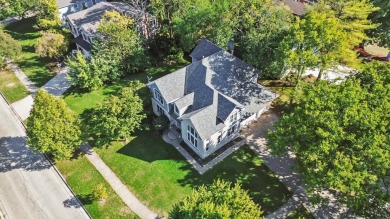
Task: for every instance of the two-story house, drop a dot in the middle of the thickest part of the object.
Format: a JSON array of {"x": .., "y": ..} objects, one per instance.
[
  {"x": 66, "y": 7},
  {"x": 210, "y": 100},
  {"x": 84, "y": 24}
]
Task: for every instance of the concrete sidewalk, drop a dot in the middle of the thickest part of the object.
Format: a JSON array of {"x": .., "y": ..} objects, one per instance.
[
  {"x": 22, "y": 77},
  {"x": 59, "y": 84},
  {"x": 120, "y": 188}
]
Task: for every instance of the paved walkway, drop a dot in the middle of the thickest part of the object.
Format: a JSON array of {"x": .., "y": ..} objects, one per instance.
[
  {"x": 175, "y": 142},
  {"x": 11, "y": 20},
  {"x": 22, "y": 77},
  {"x": 59, "y": 84},
  {"x": 56, "y": 86},
  {"x": 120, "y": 188}
]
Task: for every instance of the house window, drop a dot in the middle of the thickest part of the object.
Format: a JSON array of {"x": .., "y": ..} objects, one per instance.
[
  {"x": 231, "y": 130},
  {"x": 176, "y": 109},
  {"x": 160, "y": 110},
  {"x": 158, "y": 97},
  {"x": 192, "y": 136},
  {"x": 233, "y": 117},
  {"x": 219, "y": 138}
]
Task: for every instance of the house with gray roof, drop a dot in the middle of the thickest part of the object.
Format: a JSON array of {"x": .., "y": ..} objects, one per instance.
[
  {"x": 66, "y": 7},
  {"x": 83, "y": 24},
  {"x": 211, "y": 99}
]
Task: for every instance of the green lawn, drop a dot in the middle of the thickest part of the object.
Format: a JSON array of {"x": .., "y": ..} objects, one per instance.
[
  {"x": 11, "y": 87},
  {"x": 160, "y": 176},
  {"x": 80, "y": 101},
  {"x": 39, "y": 70},
  {"x": 83, "y": 178}
]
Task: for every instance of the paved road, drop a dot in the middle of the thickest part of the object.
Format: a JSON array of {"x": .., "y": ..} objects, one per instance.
[{"x": 29, "y": 185}]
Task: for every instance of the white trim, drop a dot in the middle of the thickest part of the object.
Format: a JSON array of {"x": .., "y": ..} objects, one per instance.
[{"x": 192, "y": 138}]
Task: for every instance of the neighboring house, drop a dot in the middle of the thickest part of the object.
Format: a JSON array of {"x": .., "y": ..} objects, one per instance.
[
  {"x": 298, "y": 7},
  {"x": 66, "y": 7},
  {"x": 84, "y": 24},
  {"x": 210, "y": 100}
]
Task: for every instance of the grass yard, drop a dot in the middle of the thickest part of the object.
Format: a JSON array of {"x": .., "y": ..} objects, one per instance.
[
  {"x": 80, "y": 101},
  {"x": 39, "y": 70},
  {"x": 83, "y": 178},
  {"x": 160, "y": 176},
  {"x": 11, "y": 87}
]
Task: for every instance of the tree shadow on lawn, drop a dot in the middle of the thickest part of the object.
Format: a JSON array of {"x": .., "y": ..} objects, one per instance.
[{"x": 243, "y": 166}]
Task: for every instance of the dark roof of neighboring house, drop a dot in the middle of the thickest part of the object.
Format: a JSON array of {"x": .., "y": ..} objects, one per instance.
[
  {"x": 211, "y": 88},
  {"x": 81, "y": 42},
  {"x": 89, "y": 19},
  {"x": 204, "y": 49},
  {"x": 297, "y": 7}
]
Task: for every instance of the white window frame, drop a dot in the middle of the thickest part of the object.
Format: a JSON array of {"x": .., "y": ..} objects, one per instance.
[
  {"x": 158, "y": 97},
  {"x": 176, "y": 109},
  {"x": 231, "y": 130},
  {"x": 192, "y": 136},
  {"x": 233, "y": 117},
  {"x": 160, "y": 110}
]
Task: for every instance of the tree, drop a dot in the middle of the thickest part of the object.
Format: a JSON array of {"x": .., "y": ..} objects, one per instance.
[
  {"x": 51, "y": 45},
  {"x": 20, "y": 8},
  {"x": 353, "y": 16},
  {"x": 263, "y": 38},
  {"x": 119, "y": 45},
  {"x": 340, "y": 135},
  {"x": 218, "y": 200},
  {"x": 316, "y": 40},
  {"x": 9, "y": 48},
  {"x": 48, "y": 16},
  {"x": 119, "y": 117},
  {"x": 86, "y": 74},
  {"x": 52, "y": 127},
  {"x": 381, "y": 17}
]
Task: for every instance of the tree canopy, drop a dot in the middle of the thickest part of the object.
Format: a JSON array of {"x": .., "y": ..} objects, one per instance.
[
  {"x": 51, "y": 45},
  {"x": 9, "y": 47},
  {"x": 340, "y": 135},
  {"x": 52, "y": 127},
  {"x": 119, "y": 117},
  {"x": 218, "y": 200}
]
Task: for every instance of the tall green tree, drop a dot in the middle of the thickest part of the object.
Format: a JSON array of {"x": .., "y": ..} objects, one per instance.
[
  {"x": 48, "y": 17},
  {"x": 20, "y": 8},
  {"x": 51, "y": 45},
  {"x": 119, "y": 45},
  {"x": 52, "y": 127},
  {"x": 263, "y": 37},
  {"x": 86, "y": 74},
  {"x": 354, "y": 17},
  {"x": 317, "y": 40},
  {"x": 218, "y": 200},
  {"x": 381, "y": 17},
  {"x": 9, "y": 48},
  {"x": 119, "y": 117},
  {"x": 340, "y": 135}
]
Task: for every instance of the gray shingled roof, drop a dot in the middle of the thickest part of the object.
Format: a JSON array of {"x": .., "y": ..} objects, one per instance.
[
  {"x": 203, "y": 49},
  {"x": 297, "y": 7},
  {"x": 89, "y": 19},
  {"x": 65, "y": 3},
  {"x": 212, "y": 88}
]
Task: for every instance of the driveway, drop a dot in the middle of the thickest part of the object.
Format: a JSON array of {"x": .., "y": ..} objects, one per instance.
[
  {"x": 283, "y": 167},
  {"x": 29, "y": 186}
]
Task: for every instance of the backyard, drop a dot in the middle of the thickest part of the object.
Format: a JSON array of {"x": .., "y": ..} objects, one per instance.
[
  {"x": 11, "y": 87},
  {"x": 160, "y": 176},
  {"x": 39, "y": 70}
]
